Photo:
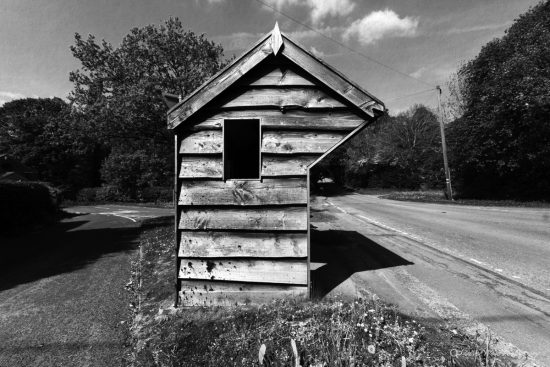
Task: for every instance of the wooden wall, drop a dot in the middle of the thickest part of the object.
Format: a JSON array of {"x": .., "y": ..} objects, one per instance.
[{"x": 247, "y": 241}]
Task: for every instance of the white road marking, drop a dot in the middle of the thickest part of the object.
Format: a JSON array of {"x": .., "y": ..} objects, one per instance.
[
  {"x": 120, "y": 214},
  {"x": 478, "y": 262}
]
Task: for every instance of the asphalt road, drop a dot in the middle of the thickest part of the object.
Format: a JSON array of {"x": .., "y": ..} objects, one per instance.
[
  {"x": 482, "y": 268},
  {"x": 62, "y": 296}
]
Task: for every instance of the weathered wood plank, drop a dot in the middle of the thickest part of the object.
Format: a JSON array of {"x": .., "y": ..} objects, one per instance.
[
  {"x": 201, "y": 167},
  {"x": 286, "y": 165},
  {"x": 220, "y": 82},
  {"x": 244, "y": 270},
  {"x": 279, "y": 77},
  {"x": 202, "y": 142},
  {"x": 294, "y": 120},
  {"x": 283, "y": 98},
  {"x": 212, "y": 293},
  {"x": 269, "y": 191},
  {"x": 242, "y": 244},
  {"x": 275, "y": 219},
  {"x": 292, "y": 142},
  {"x": 332, "y": 78}
]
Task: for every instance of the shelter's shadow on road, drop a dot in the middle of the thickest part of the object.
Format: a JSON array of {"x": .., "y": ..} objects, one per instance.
[
  {"x": 344, "y": 253},
  {"x": 67, "y": 246}
]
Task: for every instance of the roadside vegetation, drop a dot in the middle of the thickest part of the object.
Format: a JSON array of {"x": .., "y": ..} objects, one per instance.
[
  {"x": 438, "y": 196},
  {"x": 26, "y": 206},
  {"x": 110, "y": 142},
  {"x": 496, "y": 114},
  {"x": 364, "y": 332}
]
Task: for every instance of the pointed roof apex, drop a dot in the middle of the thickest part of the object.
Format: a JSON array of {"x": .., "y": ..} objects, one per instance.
[
  {"x": 276, "y": 39},
  {"x": 279, "y": 45}
]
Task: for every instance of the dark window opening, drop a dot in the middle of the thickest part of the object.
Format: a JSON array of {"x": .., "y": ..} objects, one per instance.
[{"x": 241, "y": 144}]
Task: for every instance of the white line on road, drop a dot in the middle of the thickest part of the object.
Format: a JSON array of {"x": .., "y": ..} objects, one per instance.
[{"x": 119, "y": 215}]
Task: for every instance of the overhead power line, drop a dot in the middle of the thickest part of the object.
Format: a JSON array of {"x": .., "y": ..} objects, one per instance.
[
  {"x": 412, "y": 94},
  {"x": 344, "y": 45}
]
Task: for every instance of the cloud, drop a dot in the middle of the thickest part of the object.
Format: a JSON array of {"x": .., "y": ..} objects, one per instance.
[
  {"x": 478, "y": 28},
  {"x": 319, "y": 9},
  {"x": 380, "y": 24},
  {"x": 9, "y": 96},
  {"x": 237, "y": 41},
  {"x": 418, "y": 73},
  {"x": 317, "y": 53}
]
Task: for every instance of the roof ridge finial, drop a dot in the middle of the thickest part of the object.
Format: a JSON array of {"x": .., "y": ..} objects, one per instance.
[{"x": 276, "y": 39}]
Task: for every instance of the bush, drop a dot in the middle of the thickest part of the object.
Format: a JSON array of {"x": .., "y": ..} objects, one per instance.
[
  {"x": 26, "y": 205},
  {"x": 108, "y": 193},
  {"x": 156, "y": 194},
  {"x": 86, "y": 195},
  {"x": 132, "y": 173}
]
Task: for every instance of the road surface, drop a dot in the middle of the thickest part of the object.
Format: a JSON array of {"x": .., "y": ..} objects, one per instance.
[
  {"x": 62, "y": 296},
  {"x": 484, "y": 268}
]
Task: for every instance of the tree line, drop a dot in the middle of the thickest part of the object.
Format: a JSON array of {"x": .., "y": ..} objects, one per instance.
[{"x": 112, "y": 132}]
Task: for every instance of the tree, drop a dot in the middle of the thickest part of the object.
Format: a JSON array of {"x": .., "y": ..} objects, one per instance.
[
  {"x": 118, "y": 92},
  {"x": 454, "y": 104},
  {"x": 396, "y": 151},
  {"x": 501, "y": 144},
  {"x": 44, "y": 135}
]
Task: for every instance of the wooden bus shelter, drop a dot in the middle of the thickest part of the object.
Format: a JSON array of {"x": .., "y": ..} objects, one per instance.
[{"x": 244, "y": 144}]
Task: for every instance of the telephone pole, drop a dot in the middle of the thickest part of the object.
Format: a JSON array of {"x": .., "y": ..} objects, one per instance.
[{"x": 444, "y": 147}]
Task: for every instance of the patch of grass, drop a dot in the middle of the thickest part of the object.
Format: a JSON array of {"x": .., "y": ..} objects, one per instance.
[
  {"x": 439, "y": 197},
  {"x": 365, "y": 332}
]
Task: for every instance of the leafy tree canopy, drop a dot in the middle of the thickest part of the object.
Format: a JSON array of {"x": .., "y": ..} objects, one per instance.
[
  {"x": 501, "y": 144},
  {"x": 42, "y": 134},
  {"x": 118, "y": 90},
  {"x": 400, "y": 151}
]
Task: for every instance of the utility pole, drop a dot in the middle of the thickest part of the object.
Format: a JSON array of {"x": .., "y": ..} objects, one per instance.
[{"x": 444, "y": 147}]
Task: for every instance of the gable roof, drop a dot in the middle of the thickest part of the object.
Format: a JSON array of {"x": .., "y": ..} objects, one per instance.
[{"x": 276, "y": 43}]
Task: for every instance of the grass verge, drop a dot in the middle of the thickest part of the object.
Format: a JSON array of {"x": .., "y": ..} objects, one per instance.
[
  {"x": 326, "y": 333},
  {"x": 439, "y": 197}
]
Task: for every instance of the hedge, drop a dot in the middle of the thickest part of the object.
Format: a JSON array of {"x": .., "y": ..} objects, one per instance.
[{"x": 25, "y": 205}]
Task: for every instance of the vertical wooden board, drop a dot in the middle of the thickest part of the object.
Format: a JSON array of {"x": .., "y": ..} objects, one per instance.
[
  {"x": 212, "y": 293},
  {"x": 343, "y": 120},
  {"x": 201, "y": 167},
  {"x": 272, "y": 219},
  {"x": 283, "y": 98},
  {"x": 292, "y": 142},
  {"x": 242, "y": 244},
  {"x": 244, "y": 192},
  {"x": 287, "y": 271},
  {"x": 202, "y": 142},
  {"x": 286, "y": 165}
]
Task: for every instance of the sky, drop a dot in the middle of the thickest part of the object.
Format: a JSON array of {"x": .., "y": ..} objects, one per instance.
[{"x": 422, "y": 39}]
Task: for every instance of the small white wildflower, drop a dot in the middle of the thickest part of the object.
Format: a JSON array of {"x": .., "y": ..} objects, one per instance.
[
  {"x": 454, "y": 331},
  {"x": 366, "y": 330},
  {"x": 371, "y": 310},
  {"x": 411, "y": 340},
  {"x": 371, "y": 349}
]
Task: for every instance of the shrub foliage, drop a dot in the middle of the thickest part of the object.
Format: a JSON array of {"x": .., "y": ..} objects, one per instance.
[
  {"x": 25, "y": 205},
  {"x": 501, "y": 144}
]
